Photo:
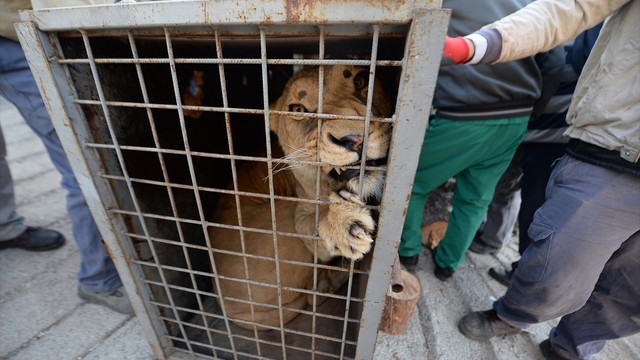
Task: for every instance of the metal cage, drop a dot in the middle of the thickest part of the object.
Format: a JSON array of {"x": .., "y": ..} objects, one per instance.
[{"x": 119, "y": 82}]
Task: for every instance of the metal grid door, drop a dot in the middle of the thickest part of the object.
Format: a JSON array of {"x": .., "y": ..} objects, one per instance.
[{"x": 160, "y": 107}]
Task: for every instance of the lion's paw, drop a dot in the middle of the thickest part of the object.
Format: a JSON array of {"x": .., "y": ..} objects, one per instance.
[{"x": 348, "y": 226}]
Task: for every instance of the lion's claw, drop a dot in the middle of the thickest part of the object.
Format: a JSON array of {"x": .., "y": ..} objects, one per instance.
[
  {"x": 357, "y": 231},
  {"x": 347, "y": 227},
  {"x": 347, "y": 195}
]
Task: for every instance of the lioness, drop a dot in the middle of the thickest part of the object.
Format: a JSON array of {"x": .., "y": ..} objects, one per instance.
[{"x": 345, "y": 226}]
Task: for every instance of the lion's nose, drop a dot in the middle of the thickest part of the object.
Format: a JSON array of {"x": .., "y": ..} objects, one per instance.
[{"x": 349, "y": 142}]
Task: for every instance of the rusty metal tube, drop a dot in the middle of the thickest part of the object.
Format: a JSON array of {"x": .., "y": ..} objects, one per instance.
[{"x": 397, "y": 285}]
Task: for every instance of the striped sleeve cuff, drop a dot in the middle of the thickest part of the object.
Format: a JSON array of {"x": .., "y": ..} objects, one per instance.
[{"x": 488, "y": 46}]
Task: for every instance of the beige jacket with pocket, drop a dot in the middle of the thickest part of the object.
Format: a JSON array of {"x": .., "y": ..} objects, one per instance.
[{"x": 605, "y": 110}]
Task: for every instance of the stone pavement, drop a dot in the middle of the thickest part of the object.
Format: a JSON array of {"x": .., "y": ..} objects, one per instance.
[{"x": 41, "y": 316}]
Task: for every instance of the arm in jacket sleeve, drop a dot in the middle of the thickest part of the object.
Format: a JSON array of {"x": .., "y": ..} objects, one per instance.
[
  {"x": 536, "y": 28},
  {"x": 543, "y": 25}
]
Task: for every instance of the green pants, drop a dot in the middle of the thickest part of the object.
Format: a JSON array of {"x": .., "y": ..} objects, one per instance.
[{"x": 476, "y": 153}]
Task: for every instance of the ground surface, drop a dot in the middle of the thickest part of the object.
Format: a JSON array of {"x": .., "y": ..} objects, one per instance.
[{"x": 41, "y": 316}]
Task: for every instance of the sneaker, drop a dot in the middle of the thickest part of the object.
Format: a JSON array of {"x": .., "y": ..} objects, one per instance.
[
  {"x": 116, "y": 300},
  {"x": 483, "y": 325},
  {"x": 409, "y": 262},
  {"x": 479, "y": 247},
  {"x": 35, "y": 239},
  {"x": 503, "y": 276},
  {"x": 548, "y": 352}
]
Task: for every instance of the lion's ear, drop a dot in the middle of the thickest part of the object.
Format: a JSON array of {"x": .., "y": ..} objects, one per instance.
[{"x": 274, "y": 120}]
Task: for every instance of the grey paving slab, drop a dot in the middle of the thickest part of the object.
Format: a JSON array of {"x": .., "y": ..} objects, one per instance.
[
  {"x": 9, "y": 116},
  {"x": 37, "y": 290},
  {"x": 44, "y": 209},
  {"x": 40, "y": 303},
  {"x": 19, "y": 145},
  {"x": 82, "y": 329},
  {"x": 20, "y": 268},
  {"x": 441, "y": 306},
  {"x": 19, "y": 138},
  {"x": 26, "y": 168},
  {"x": 410, "y": 345},
  {"x": 42, "y": 318},
  {"x": 32, "y": 188},
  {"x": 126, "y": 343}
]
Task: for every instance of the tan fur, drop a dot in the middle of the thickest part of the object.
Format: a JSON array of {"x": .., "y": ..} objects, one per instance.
[{"x": 345, "y": 225}]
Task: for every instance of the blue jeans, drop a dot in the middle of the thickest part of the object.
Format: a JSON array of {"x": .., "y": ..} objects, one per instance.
[
  {"x": 97, "y": 272},
  {"x": 584, "y": 262}
]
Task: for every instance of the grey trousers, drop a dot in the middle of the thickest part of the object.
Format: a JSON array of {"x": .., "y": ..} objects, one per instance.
[
  {"x": 584, "y": 263},
  {"x": 11, "y": 223}
]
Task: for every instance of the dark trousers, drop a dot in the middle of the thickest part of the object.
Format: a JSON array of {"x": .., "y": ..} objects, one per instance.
[{"x": 584, "y": 262}]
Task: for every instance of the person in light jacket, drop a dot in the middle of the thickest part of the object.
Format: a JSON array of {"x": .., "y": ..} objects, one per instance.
[{"x": 584, "y": 263}]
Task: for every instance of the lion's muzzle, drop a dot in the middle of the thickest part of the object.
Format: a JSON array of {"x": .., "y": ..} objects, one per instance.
[{"x": 345, "y": 174}]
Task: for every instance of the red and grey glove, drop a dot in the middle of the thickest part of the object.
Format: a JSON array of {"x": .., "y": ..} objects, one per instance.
[{"x": 456, "y": 49}]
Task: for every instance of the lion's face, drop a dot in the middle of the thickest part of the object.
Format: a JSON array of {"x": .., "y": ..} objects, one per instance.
[{"x": 340, "y": 145}]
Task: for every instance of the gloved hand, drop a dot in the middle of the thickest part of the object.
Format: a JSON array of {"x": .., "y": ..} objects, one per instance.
[{"x": 456, "y": 51}]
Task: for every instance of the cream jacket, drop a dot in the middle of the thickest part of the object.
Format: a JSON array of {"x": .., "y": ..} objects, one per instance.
[{"x": 605, "y": 110}]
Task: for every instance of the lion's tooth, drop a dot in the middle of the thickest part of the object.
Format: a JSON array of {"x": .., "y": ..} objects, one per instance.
[
  {"x": 338, "y": 170},
  {"x": 343, "y": 169}
]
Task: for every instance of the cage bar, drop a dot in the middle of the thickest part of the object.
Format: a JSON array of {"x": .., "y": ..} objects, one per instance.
[{"x": 125, "y": 88}]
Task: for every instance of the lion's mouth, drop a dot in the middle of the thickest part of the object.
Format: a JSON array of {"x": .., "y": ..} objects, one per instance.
[{"x": 348, "y": 172}]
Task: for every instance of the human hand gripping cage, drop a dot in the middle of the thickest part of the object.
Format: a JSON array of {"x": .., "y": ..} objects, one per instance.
[{"x": 239, "y": 169}]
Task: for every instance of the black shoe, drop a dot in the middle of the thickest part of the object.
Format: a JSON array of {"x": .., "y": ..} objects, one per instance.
[
  {"x": 443, "y": 274},
  {"x": 409, "y": 262},
  {"x": 501, "y": 275},
  {"x": 548, "y": 352},
  {"x": 479, "y": 247},
  {"x": 35, "y": 239},
  {"x": 433, "y": 254},
  {"x": 483, "y": 325}
]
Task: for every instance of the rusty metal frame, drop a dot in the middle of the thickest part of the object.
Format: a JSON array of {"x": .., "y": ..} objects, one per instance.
[
  {"x": 232, "y": 12},
  {"x": 38, "y": 33}
]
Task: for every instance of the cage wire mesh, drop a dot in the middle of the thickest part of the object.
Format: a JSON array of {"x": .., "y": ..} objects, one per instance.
[{"x": 201, "y": 189}]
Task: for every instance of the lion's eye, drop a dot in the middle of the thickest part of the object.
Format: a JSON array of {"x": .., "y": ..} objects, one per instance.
[
  {"x": 297, "y": 108},
  {"x": 360, "y": 81}
]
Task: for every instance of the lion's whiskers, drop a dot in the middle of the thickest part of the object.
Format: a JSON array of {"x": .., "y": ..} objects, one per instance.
[{"x": 285, "y": 162}]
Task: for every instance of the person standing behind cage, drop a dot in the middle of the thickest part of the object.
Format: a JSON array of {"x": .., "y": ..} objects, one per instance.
[
  {"x": 584, "y": 263},
  {"x": 481, "y": 116},
  {"x": 98, "y": 279},
  {"x": 531, "y": 167}
]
